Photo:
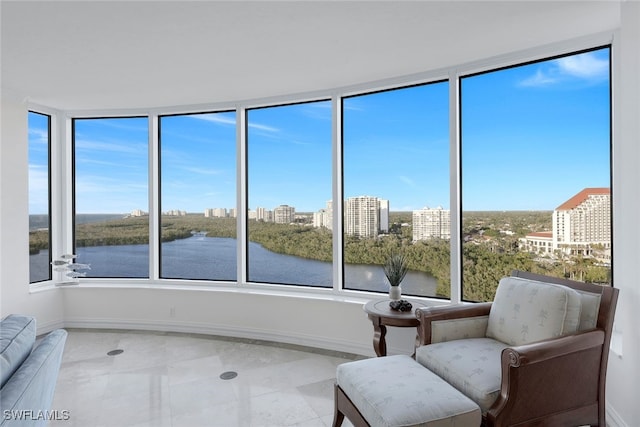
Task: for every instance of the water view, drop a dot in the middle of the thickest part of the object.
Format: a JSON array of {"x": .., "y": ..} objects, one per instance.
[{"x": 204, "y": 258}]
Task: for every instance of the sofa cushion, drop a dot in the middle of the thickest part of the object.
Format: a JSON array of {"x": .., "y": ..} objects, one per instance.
[
  {"x": 470, "y": 365},
  {"x": 397, "y": 391},
  {"x": 526, "y": 311},
  {"x": 17, "y": 336}
]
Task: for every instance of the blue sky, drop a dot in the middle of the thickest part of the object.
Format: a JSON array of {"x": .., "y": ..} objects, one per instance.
[{"x": 532, "y": 137}]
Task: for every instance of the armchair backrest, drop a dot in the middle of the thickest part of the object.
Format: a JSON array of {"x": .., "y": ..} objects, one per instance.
[
  {"x": 526, "y": 310},
  {"x": 599, "y": 301}
]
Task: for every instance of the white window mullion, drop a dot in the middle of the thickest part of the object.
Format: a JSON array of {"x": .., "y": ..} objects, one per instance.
[
  {"x": 241, "y": 194},
  {"x": 337, "y": 197},
  {"x": 455, "y": 187},
  {"x": 154, "y": 199}
]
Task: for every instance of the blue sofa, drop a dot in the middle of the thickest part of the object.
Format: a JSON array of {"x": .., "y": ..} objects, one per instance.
[{"x": 28, "y": 375}]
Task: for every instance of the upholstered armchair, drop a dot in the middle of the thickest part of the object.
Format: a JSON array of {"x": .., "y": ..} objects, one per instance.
[{"x": 536, "y": 355}]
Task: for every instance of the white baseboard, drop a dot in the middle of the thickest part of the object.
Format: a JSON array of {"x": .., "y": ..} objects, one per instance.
[
  {"x": 613, "y": 418},
  {"x": 226, "y": 331},
  {"x": 45, "y": 328}
]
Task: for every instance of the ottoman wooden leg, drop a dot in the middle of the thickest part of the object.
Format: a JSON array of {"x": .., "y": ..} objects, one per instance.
[{"x": 344, "y": 406}]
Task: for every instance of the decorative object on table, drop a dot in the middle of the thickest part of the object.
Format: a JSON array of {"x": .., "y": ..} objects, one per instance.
[
  {"x": 400, "y": 305},
  {"x": 395, "y": 268},
  {"x": 68, "y": 270}
]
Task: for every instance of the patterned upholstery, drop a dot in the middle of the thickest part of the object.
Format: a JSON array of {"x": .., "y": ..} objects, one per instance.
[
  {"x": 470, "y": 365},
  {"x": 397, "y": 391},
  {"x": 457, "y": 329},
  {"x": 523, "y": 311},
  {"x": 589, "y": 312},
  {"x": 526, "y": 311}
]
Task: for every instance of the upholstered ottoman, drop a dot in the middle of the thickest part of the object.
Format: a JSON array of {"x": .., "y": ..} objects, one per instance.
[{"x": 398, "y": 391}]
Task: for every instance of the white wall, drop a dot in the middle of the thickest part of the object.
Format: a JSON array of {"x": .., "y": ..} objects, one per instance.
[
  {"x": 317, "y": 322},
  {"x": 46, "y": 306},
  {"x": 623, "y": 391}
]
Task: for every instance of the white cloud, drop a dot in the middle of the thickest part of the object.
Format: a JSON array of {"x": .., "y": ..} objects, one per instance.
[
  {"x": 215, "y": 118},
  {"x": 263, "y": 127},
  {"x": 407, "y": 180},
  {"x": 586, "y": 67},
  {"x": 119, "y": 147},
  {"x": 203, "y": 171},
  {"x": 225, "y": 120},
  {"x": 39, "y": 135},
  {"x": 540, "y": 78}
]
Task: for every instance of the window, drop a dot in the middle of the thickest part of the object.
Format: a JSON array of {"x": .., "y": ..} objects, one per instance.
[
  {"x": 396, "y": 187},
  {"x": 39, "y": 127},
  {"x": 111, "y": 157},
  {"x": 289, "y": 194},
  {"x": 198, "y": 196},
  {"x": 536, "y": 167}
]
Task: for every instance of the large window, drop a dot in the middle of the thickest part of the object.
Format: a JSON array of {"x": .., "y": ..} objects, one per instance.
[
  {"x": 536, "y": 174},
  {"x": 533, "y": 190},
  {"x": 396, "y": 187},
  {"x": 198, "y": 196},
  {"x": 111, "y": 157},
  {"x": 289, "y": 194},
  {"x": 39, "y": 126}
]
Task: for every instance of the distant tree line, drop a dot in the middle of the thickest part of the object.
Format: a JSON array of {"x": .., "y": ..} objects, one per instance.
[{"x": 485, "y": 261}]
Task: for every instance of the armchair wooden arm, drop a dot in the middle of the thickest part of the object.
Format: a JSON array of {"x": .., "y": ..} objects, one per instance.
[
  {"x": 426, "y": 315},
  {"x": 541, "y": 380}
]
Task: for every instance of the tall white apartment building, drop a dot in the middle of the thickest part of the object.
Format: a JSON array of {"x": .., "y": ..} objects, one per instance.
[
  {"x": 366, "y": 216},
  {"x": 431, "y": 223},
  {"x": 215, "y": 213},
  {"x": 324, "y": 217},
  {"x": 264, "y": 214},
  {"x": 284, "y": 214},
  {"x": 582, "y": 222}
]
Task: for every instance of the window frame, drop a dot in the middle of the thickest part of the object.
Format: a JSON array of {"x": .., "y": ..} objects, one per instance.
[
  {"x": 421, "y": 83},
  {"x": 158, "y": 185},
  {"x": 49, "y": 193},
  {"x": 64, "y": 222},
  {"x": 73, "y": 213},
  {"x": 514, "y": 64},
  {"x": 243, "y": 213}
]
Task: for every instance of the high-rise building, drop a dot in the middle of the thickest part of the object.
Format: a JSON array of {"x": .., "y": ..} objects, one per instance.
[
  {"x": 583, "y": 223},
  {"x": 215, "y": 213},
  {"x": 284, "y": 214},
  {"x": 366, "y": 216},
  {"x": 431, "y": 223},
  {"x": 324, "y": 217},
  {"x": 263, "y": 214}
]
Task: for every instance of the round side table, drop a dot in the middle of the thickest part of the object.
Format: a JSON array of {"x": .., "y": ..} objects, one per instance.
[{"x": 382, "y": 315}]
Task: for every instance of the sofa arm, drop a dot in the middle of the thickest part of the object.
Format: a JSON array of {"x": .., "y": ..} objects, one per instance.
[
  {"x": 433, "y": 320},
  {"x": 30, "y": 389},
  {"x": 546, "y": 377}
]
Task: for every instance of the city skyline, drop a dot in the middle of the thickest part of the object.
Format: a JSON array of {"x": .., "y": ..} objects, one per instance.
[{"x": 544, "y": 126}]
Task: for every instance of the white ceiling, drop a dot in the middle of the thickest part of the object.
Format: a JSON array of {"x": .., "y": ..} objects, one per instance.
[{"x": 115, "y": 54}]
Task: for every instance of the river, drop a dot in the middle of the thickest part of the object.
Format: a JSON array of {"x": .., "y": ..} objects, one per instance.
[{"x": 206, "y": 258}]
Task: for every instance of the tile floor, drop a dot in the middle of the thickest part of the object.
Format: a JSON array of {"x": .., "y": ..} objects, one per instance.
[{"x": 173, "y": 380}]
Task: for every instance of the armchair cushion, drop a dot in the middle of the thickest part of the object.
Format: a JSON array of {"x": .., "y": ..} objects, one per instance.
[
  {"x": 526, "y": 311},
  {"x": 472, "y": 366},
  {"x": 589, "y": 311},
  {"x": 456, "y": 329}
]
